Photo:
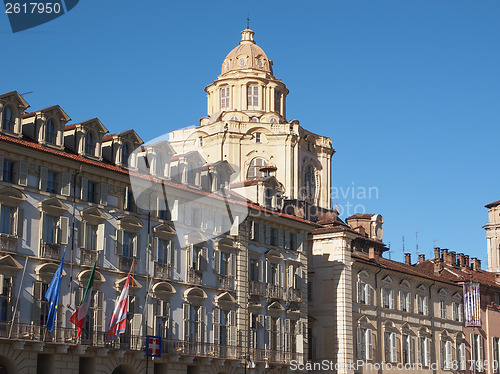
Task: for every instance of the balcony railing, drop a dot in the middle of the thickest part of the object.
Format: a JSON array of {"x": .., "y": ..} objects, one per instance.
[
  {"x": 8, "y": 243},
  {"x": 274, "y": 291},
  {"x": 257, "y": 288},
  {"x": 163, "y": 271},
  {"x": 125, "y": 263},
  {"x": 88, "y": 256},
  {"x": 293, "y": 294},
  {"x": 50, "y": 250},
  {"x": 225, "y": 282},
  {"x": 195, "y": 276},
  {"x": 67, "y": 335}
]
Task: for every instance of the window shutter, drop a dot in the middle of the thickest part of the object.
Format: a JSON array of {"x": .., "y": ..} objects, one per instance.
[
  {"x": 235, "y": 226},
  {"x": 185, "y": 308},
  {"x": 82, "y": 234},
  {"x": 155, "y": 249},
  {"x": 260, "y": 270},
  {"x": 126, "y": 202},
  {"x": 66, "y": 184},
  {"x": 280, "y": 238},
  {"x": 391, "y": 299},
  {"x": 232, "y": 264},
  {"x": 23, "y": 173},
  {"x": 359, "y": 342},
  {"x": 172, "y": 252},
  {"x": 442, "y": 353},
  {"x": 368, "y": 294},
  {"x": 412, "y": 349},
  {"x": 262, "y": 233},
  {"x": 19, "y": 222},
  {"x": 287, "y": 343},
  {"x": 201, "y": 325},
  {"x": 84, "y": 188},
  {"x": 287, "y": 239},
  {"x": 218, "y": 222},
  {"x": 37, "y": 297},
  {"x": 217, "y": 261},
  {"x": 387, "y": 347},
  {"x": 100, "y": 245},
  {"x": 64, "y": 227},
  {"x": 279, "y": 337},
  {"x": 267, "y": 326},
  {"x": 268, "y": 234},
  {"x": 401, "y": 301},
  {"x": 98, "y": 311},
  {"x": 136, "y": 247},
  {"x": 174, "y": 211},
  {"x": 260, "y": 321},
  {"x": 119, "y": 242},
  {"x": 360, "y": 292},
  {"x": 394, "y": 347},
  {"x": 300, "y": 242},
  {"x": 427, "y": 351},
  {"x": 1, "y": 168},
  {"x": 43, "y": 178},
  {"x": 216, "y": 316},
  {"x": 204, "y": 219},
  {"x": 104, "y": 194},
  {"x": 369, "y": 344},
  {"x": 232, "y": 328},
  {"x": 426, "y": 305}
]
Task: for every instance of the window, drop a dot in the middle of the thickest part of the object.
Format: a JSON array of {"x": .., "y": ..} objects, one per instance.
[
  {"x": 391, "y": 350},
  {"x": 40, "y": 304},
  {"x": 404, "y": 301},
  {"x": 199, "y": 257},
  {"x": 269, "y": 195},
  {"x": 424, "y": 351},
  {"x": 50, "y": 229},
  {"x": 7, "y": 119},
  {"x": 407, "y": 349},
  {"x": 51, "y": 185},
  {"x": 50, "y": 132},
  {"x": 5, "y": 298},
  {"x": 462, "y": 360},
  {"x": 258, "y": 138},
  {"x": 252, "y": 96},
  {"x": 125, "y": 154},
  {"x": 129, "y": 244},
  {"x": 388, "y": 298},
  {"x": 363, "y": 293},
  {"x": 162, "y": 318},
  {"x": 456, "y": 309},
  {"x": 422, "y": 304},
  {"x": 90, "y": 241},
  {"x": 194, "y": 319},
  {"x": 200, "y": 141},
  {"x": 89, "y": 144},
  {"x": 91, "y": 192},
  {"x": 254, "y": 171},
  {"x": 442, "y": 308},
  {"x": 309, "y": 182},
  {"x": 224, "y": 97},
  {"x": 277, "y": 101},
  {"x": 477, "y": 351},
  {"x": 7, "y": 220},
  {"x": 254, "y": 270},
  {"x": 365, "y": 343},
  {"x": 446, "y": 354},
  {"x": 8, "y": 171},
  {"x": 274, "y": 274}
]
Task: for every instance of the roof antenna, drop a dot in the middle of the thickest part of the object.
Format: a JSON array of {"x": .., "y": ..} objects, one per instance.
[
  {"x": 248, "y": 22},
  {"x": 416, "y": 241},
  {"x": 403, "y": 244}
]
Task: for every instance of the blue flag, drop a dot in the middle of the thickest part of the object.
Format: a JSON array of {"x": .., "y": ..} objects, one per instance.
[{"x": 52, "y": 295}]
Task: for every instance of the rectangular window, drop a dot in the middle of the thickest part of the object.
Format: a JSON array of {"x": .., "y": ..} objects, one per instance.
[
  {"x": 254, "y": 270},
  {"x": 7, "y": 217},
  {"x": 424, "y": 353},
  {"x": 5, "y": 299},
  {"x": 365, "y": 343},
  {"x": 461, "y": 358},
  {"x": 404, "y": 301},
  {"x": 252, "y": 96},
  {"x": 442, "y": 308},
  {"x": 422, "y": 305},
  {"x": 51, "y": 185},
  {"x": 258, "y": 137},
  {"x": 407, "y": 343},
  {"x": 90, "y": 237},
  {"x": 390, "y": 346},
  {"x": 277, "y": 101},
  {"x": 8, "y": 171},
  {"x": 388, "y": 298},
  {"x": 224, "y": 97},
  {"x": 129, "y": 244},
  {"x": 363, "y": 293}
]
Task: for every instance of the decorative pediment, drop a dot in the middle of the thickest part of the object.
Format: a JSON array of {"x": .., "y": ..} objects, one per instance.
[
  {"x": 84, "y": 276},
  {"x": 275, "y": 307},
  {"x": 223, "y": 167},
  {"x": 457, "y": 296},
  {"x": 405, "y": 283},
  {"x": 130, "y": 223},
  {"x": 163, "y": 290},
  {"x": 94, "y": 124},
  {"x": 363, "y": 274},
  {"x": 423, "y": 331},
  {"x": 406, "y": 327},
  {"x": 53, "y": 206},
  {"x": 445, "y": 334},
  {"x": 9, "y": 266},
  {"x": 274, "y": 255},
  {"x": 195, "y": 295},
  {"x": 363, "y": 320},
  {"x": 134, "y": 284},
  {"x": 164, "y": 231},
  {"x": 11, "y": 196},
  {"x": 255, "y": 306},
  {"x": 225, "y": 244},
  {"x": 389, "y": 325},
  {"x": 93, "y": 215},
  {"x": 225, "y": 299},
  {"x": 421, "y": 288},
  {"x": 195, "y": 157},
  {"x": 45, "y": 272},
  {"x": 293, "y": 314},
  {"x": 442, "y": 292},
  {"x": 387, "y": 279},
  {"x": 195, "y": 237}
]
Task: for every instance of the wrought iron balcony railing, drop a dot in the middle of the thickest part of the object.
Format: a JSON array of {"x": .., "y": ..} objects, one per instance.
[
  {"x": 50, "y": 250},
  {"x": 293, "y": 294},
  {"x": 8, "y": 243},
  {"x": 225, "y": 282},
  {"x": 257, "y": 288},
  {"x": 88, "y": 256},
  {"x": 195, "y": 276},
  {"x": 274, "y": 291},
  {"x": 125, "y": 263},
  {"x": 163, "y": 271}
]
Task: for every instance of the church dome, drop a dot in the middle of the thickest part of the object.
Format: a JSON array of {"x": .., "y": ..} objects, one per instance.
[{"x": 247, "y": 55}]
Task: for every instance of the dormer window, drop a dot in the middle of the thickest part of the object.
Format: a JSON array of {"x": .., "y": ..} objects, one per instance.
[
  {"x": 125, "y": 154},
  {"x": 89, "y": 144},
  {"x": 7, "y": 119},
  {"x": 224, "y": 97},
  {"x": 252, "y": 96},
  {"x": 50, "y": 132}
]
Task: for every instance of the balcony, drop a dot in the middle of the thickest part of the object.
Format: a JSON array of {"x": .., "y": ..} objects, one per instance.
[
  {"x": 225, "y": 282},
  {"x": 274, "y": 291},
  {"x": 257, "y": 288},
  {"x": 8, "y": 243},
  {"x": 163, "y": 271},
  {"x": 88, "y": 256},
  {"x": 195, "y": 276},
  {"x": 293, "y": 294},
  {"x": 50, "y": 250},
  {"x": 125, "y": 263}
]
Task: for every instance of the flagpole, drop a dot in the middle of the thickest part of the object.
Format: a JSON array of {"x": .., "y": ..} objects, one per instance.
[{"x": 18, "y": 296}]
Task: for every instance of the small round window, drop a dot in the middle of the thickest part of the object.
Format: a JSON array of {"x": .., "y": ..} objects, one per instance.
[{"x": 242, "y": 61}]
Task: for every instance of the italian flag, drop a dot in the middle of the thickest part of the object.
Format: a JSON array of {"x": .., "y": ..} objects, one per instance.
[{"x": 78, "y": 318}]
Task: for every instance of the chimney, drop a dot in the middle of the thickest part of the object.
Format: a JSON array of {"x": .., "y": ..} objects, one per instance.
[
  {"x": 453, "y": 258},
  {"x": 438, "y": 266},
  {"x": 475, "y": 264},
  {"x": 408, "y": 258},
  {"x": 421, "y": 258},
  {"x": 371, "y": 253},
  {"x": 461, "y": 260},
  {"x": 437, "y": 253},
  {"x": 466, "y": 261},
  {"x": 444, "y": 255}
]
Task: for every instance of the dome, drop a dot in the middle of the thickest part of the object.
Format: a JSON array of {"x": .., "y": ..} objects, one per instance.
[{"x": 247, "y": 55}]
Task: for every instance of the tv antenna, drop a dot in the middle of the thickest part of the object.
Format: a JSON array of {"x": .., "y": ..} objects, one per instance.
[
  {"x": 416, "y": 242},
  {"x": 403, "y": 244},
  {"x": 26, "y": 93}
]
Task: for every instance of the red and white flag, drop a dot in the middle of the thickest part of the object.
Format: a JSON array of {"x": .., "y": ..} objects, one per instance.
[
  {"x": 78, "y": 318},
  {"x": 118, "y": 322}
]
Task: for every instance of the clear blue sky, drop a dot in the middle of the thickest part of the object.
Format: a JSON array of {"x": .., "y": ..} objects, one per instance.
[{"x": 407, "y": 90}]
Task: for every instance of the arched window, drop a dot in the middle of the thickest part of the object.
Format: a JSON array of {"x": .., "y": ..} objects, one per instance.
[
  {"x": 125, "y": 154},
  {"x": 254, "y": 168},
  {"x": 224, "y": 97},
  {"x": 7, "y": 121},
  {"x": 309, "y": 183},
  {"x": 89, "y": 144},
  {"x": 50, "y": 132}
]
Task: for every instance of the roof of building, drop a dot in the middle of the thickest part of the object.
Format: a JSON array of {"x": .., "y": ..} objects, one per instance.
[{"x": 493, "y": 204}]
